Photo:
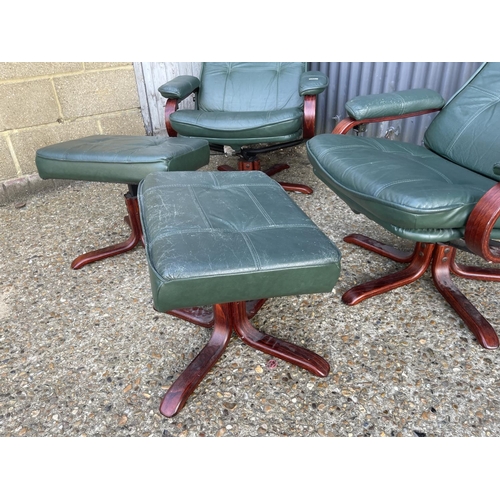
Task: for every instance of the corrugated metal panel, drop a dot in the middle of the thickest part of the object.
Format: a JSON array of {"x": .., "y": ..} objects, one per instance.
[{"x": 350, "y": 79}]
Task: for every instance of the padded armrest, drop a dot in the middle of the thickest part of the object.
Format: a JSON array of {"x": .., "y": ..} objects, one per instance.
[
  {"x": 180, "y": 87},
  {"x": 393, "y": 103},
  {"x": 312, "y": 83}
]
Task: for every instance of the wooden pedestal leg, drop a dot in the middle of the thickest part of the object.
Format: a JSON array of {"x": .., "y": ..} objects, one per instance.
[
  {"x": 475, "y": 273},
  {"x": 420, "y": 262},
  {"x": 183, "y": 387},
  {"x": 134, "y": 239},
  {"x": 204, "y": 316},
  {"x": 253, "y": 307},
  {"x": 380, "y": 248},
  {"x": 279, "y": 167},
  {"x": 201, "y": 316},
  {"x": 229, "y": 317},
  {"x": 279, "y": 348},
  {"x": 443, "y": 262},
  {"x": 480, "y": 327},
  {"x": 226, "y": 168},
  {"x": 296, "y": 188}
]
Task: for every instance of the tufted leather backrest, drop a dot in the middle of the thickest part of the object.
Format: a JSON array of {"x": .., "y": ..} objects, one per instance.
[
  {"x": 244, "y": 86},
  {"x": 467, "y": 129}
]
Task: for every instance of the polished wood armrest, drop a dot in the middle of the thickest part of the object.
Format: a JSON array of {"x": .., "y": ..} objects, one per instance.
[
  {"x": 349, "y": 123},
  {"x": 481, "y": 222},
  {"x": 309, "y": 125},
  {"x": 170, "y": 107}
]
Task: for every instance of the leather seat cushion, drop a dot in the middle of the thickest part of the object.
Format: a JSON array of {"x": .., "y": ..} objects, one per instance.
[
  {"x": 120, "y": 158},
  {"x": 239, "y": 127},
  {"x": 398, "y": 185},
  {"x": 217, "y": 237}
]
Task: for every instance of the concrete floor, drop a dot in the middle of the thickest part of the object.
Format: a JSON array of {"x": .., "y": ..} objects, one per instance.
[{"x": 83, "y": 353}]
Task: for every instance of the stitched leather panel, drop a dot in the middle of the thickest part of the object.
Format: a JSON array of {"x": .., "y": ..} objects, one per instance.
[
  {"x": 216, "y": 237},
  {"x": 120, "y": 158},
  {"x": 393, "y": 103},
  {"x": 401, "y": 185},
  {"x": 243, "y": 86},
  {"x": 243, "y": 128}
]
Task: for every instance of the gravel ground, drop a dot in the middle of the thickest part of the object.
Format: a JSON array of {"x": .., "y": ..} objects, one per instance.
[{"x": 83, "y": 353}]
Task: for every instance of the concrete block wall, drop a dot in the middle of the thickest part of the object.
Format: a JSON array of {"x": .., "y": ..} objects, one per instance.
[{"x": 44, "y": 103}]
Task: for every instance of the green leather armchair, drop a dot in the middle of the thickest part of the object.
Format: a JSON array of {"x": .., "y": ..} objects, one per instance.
[
  {"x": 268, "y": 105},
  {"x": 443, "y": 195}
]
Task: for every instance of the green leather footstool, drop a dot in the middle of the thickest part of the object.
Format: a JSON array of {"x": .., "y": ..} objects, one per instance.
[
  {"x": 230, "y": 240},
  {"x": 119, "y": 159}
]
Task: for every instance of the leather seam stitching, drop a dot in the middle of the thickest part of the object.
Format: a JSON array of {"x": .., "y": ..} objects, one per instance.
[
  {"x": 259, "y": 207},
  {"x": 200, "y": 208}
]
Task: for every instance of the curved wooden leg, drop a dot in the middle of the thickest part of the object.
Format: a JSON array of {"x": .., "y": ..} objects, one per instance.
[
  {"x": 474, "y": 273},
  {"x": 126, "y": 219},
  {"x": 480, "y": 327},
  {"x": 201, "y": 316},
  {"x": 186, "y": 383},
  {"x": 380, "y": 248},
  {"x": 287, "y": 186},
  {"x": 226, "y": 168},
  {"x": 421, "y": 259},
  {"x": 254, "y": 306},
  {"x": 134, "y": 239},
  {"x": 233, "y": 315},
  {"x": 279, "y": 348},
  {"x": 279, "y": 167},
  {"x": 296, "y": 188}
]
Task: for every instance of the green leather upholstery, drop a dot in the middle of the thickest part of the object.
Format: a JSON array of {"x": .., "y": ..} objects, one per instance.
[
  {"x": 405, "y": 188},
  {"x": 120, "y": 158},
  {"x": 200, "y": 253},
  {"x": 467, "y": 130},
  {"x": 180, "y": 87},
  {"x": 238, "y": 128},
  {"x": 242, "y": 103},
  {"x": 393, "y": 103},
  {"x": 234, "y": 87},
  {"x": 421, "y": 193},
  {"x": 312, "y": 83}
]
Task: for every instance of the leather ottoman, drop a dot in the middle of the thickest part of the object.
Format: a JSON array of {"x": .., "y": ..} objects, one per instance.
[
  {"x": 230, "y": 240},
  {"x": 119, "y": 159}
]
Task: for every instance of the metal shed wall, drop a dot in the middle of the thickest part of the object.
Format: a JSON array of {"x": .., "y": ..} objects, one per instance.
[{"x": 350, "y": 79}]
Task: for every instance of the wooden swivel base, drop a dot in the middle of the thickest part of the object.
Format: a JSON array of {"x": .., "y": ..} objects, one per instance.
[
  {"x": 225, "y": 318},
  {"x": 441, "y": 258},
  {"x": 134, "y": 221},
  {"x": 254, "y": 164}
]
